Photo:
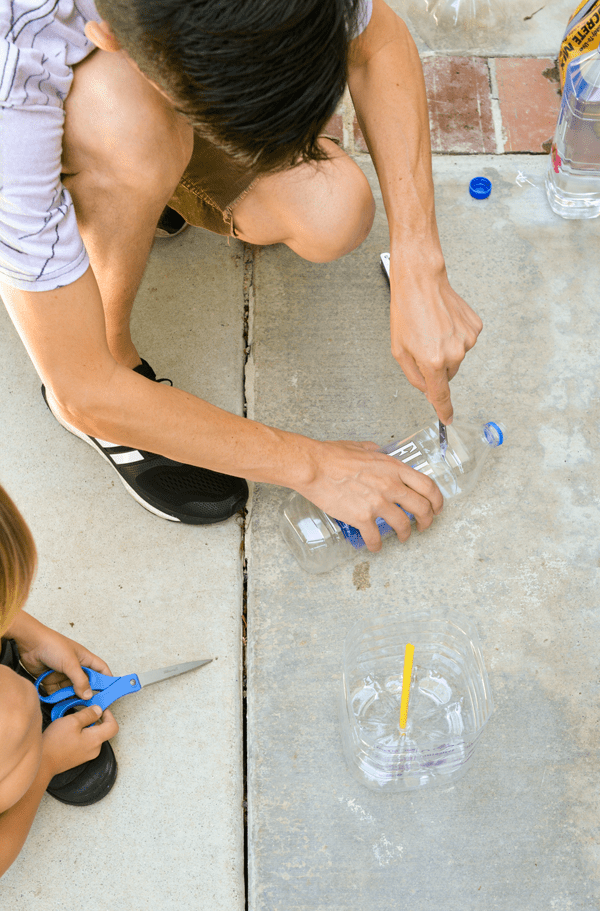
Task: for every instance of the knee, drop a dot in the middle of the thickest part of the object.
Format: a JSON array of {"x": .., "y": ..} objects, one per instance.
[
  {"x": 161, "y": 148},
  {"x": 120, "y": 134},
  {"x": 149, "y": 163},
  {"x": 345, "y": 223}
]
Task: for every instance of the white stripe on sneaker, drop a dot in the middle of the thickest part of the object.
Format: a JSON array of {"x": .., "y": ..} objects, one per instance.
[{"x": 124, "y": 458}]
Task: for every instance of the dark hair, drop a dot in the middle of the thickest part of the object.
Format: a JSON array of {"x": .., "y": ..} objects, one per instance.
[{"x": 258, "y": 78}]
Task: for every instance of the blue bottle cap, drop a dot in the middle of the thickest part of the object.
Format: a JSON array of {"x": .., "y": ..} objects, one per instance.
[
  {"x": 480, "y": 188},
  {"x": 494, "y": 433}
]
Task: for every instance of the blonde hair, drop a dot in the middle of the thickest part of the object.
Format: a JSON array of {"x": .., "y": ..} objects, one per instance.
[{"x": 18, "y": 560}]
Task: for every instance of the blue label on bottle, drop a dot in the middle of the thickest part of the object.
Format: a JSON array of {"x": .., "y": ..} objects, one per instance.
[
  {"x": 353, "y": 535},
  {"x": 406, "y": 452}
]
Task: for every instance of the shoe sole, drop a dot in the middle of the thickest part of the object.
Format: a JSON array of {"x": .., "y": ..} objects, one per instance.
[
  {"x": 84, "y": 803},
  {"x": 161, "y": 233}
]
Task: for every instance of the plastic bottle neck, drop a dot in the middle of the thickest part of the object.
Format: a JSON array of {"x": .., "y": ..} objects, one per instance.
[{"x": 493, "y": 433}]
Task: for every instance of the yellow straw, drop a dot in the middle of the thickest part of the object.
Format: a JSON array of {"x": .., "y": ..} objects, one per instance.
[{"x": 406, "y": 675}]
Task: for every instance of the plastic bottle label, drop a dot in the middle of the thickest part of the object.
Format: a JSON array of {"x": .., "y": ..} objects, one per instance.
[
  {"x": 353, "y": 535},
  {"x": 582, "y": 35}
]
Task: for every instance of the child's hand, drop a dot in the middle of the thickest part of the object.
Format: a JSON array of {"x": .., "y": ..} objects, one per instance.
[
  {"x": 42, "y": 648},
  {"x": 69, "y": 741}
]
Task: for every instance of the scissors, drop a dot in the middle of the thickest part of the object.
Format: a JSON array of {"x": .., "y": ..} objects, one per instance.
[{"x": 109, "y": 689}]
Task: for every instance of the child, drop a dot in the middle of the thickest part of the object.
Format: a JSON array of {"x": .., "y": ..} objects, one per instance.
[{"x": 70, "y": 757}]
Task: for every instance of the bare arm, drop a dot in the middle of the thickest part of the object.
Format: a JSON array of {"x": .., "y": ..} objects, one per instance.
[
  {"x": 66, "y": 743},
  {"x": 15, "y": 823},
  {"x": 64, "y": 333},
  {"x": 432, "y": 327}
]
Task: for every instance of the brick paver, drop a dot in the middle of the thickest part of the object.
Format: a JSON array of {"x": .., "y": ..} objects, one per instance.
[
  {"x": 360, "y": 143},
  {"x": 460, "y": 106},
  {"x": 528, "y": 93},
  {"x": 335, "y": 127}
]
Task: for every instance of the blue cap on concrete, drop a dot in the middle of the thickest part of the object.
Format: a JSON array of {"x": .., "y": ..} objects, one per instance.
[{"x": 480, "y": 188}]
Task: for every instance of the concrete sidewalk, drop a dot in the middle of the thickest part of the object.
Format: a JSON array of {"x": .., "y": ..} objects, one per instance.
[
  {"x": 143, "y": 593},
  {"x": 520, "y": 556}
]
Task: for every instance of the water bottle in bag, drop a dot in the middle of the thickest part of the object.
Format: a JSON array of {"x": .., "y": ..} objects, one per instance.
[{"x": 320, "y": 542}]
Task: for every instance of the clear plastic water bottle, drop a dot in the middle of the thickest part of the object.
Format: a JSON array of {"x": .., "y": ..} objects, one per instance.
[
  {"x": 450, "y": 701},
  {"x": 459, "y": 24},
  {"x": 573, "y": 179},
  {"x": 321, "y": 543}
]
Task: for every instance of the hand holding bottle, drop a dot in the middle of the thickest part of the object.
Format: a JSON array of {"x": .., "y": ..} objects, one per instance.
[
  {"x": 359, "y": 483},
  {"x": 320, "y": 542}
]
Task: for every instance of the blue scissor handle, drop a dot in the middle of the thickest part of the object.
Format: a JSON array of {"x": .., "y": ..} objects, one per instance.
[{"x": 109, "y": 690}]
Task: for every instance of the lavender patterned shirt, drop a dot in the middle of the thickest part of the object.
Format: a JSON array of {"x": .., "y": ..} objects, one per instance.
[{"x": 40, "y": 42}]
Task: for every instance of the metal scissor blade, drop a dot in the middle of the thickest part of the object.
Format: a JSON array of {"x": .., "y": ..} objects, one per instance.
[
  {"x": 163, "y": 673},
  {"x": 443, "y": 439}
]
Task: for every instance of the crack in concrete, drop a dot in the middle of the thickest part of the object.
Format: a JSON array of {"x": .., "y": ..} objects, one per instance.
[{"x": 248, "y": 298}]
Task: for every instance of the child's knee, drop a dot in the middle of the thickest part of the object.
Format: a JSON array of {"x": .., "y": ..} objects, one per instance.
[{"x": 20, "y": 736}]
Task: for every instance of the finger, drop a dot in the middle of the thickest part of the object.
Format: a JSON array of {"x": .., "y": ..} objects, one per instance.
[
  {"x": 419, "y": 508},
  {"x": 369, "y": 446},
  {"x": 420, "y": 496},
  {"x": 371, "y": 536},
  {"x": 411, "y": 371},
  {"x": 54, "y": 681},
  {"x": 97, "y": 664},
  {"x": 79, "y": 679},
  {"x": 87, "y": 716},
  {"x": 397, "y": 519},
  {"x": 109, "y": 726},
  {"x": 438, "y": 393},
  {"x": 476, "y": 326}
]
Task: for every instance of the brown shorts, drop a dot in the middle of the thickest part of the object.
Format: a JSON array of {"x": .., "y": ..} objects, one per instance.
[{"x": 211, "y": 186}]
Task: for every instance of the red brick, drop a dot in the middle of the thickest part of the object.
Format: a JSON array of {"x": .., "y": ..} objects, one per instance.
[
  {"x": 335, "y": 127},
  {"x": 528, "y": 92},
  {"x": 460, "y": 105},
  {"x": 360, "y": 143}
]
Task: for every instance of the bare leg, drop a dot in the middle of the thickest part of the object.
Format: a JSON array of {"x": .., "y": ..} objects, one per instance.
[
  {"x": 321, "y": 210},
  {"x": 124, "y": 151}
]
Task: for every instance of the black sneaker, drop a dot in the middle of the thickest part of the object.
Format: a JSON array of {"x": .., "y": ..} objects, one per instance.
[
  {"x": 170, "y": 223},
  {"x": 86, "y": 783},
  {"x": 171, "y": 490}
]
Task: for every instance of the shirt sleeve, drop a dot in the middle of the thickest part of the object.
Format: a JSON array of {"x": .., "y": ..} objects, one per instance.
[
  {"x": 40, "y": 245},
  {"x": 364, "y": 16}
]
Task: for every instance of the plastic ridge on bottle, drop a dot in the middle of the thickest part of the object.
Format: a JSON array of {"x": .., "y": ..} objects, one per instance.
[
  {"x": 450, "y": 699},
  {"x": 459, "y": 24},
  {"x": 573, "y": 177},
  {"x": 320, "y": 542}
]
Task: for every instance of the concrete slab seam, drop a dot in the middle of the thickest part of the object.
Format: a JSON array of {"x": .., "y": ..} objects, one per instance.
[{"x": 248, "y": 406}]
